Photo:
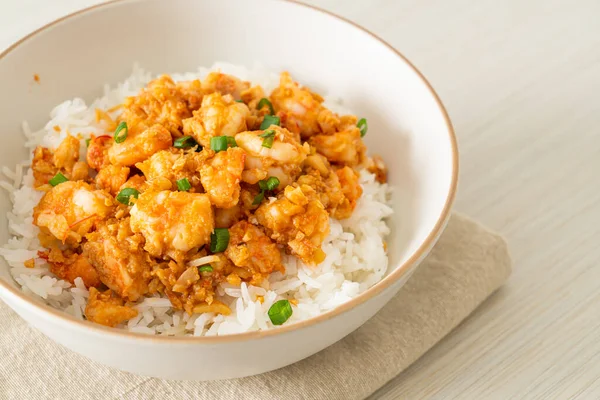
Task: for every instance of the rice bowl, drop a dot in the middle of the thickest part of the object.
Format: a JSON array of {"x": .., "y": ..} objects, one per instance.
[{"x": 410, "y": 130}]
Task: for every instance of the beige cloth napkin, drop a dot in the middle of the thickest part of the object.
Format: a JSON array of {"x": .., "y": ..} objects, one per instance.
[{"x": 465, "y": 267}]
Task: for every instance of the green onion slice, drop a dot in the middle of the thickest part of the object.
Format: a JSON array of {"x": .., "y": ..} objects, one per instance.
[
  {"x": 58, "y": 179},
  {"x": 87, "y": 142},
  {"x": 362, "y": 125},
  {"x": 280, "y": 312},
  {"x": 231, "y": 141},
  {"x": 259, "y": 197},
  {"x": 183, "y": 185},
  {"x": 205, "y": 268},
  {"x": 184, "y": 142},
  {"x": 120, "y": 138},
  {"x": 125, "y": 195},
  {"x": 264, "y": 101},
  {"x": 270, "y": 120},
  {"x": 268, "y": 138},
  {"x": 240, "y": 101},
  {"x": 268, "y": 184},
  {"x": 219, "y": 240},
  {"x": 218, "y": 143}
]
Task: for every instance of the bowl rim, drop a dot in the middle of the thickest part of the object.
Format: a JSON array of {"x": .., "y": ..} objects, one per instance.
[{"x": 48, "y": 312}]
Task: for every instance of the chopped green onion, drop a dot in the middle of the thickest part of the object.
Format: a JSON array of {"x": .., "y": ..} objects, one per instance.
[
  {"x": 125, "y": 195},
  {"x": 362, "y": 125},
  {"x": 268, "y": 138},
  {"x": 58, "y": 179},
  {"x": 280, "y": 312},
  {"x": 183, "y": 185},
  {"x": 259, "y": 197},
  {"x": 218, "y": 143},
  {"x": 272, "y": 183},
  {"x": 264, "y": 101},
  {"x": 270, "y": 120},
  {"x": 184, "y": 142},
  {"x": 118, "y": 137},
  {"x": 87, "y": 142},
  {"x": 205, "y": 268},
  {"x": 240, "y": 101},
  {"x": 268, "y": 184},
  {"x": 219, "y": 240},
  {"x": 231, "y": 141}
]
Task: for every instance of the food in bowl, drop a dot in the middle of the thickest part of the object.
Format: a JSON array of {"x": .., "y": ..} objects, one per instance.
[{"x": 204, "y": 203}]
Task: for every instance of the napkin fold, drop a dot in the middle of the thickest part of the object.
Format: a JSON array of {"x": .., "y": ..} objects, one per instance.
[{"x": 467, "y": 264}]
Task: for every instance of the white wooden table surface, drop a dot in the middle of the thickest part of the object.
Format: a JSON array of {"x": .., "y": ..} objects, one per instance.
[{"x": 521, "y": 80}]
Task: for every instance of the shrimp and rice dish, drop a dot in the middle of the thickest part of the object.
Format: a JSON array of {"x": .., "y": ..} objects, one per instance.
[{"x": 209, "y": 203}]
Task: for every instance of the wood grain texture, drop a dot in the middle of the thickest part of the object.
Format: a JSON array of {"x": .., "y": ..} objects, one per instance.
[{"x": 521, "y": 81}]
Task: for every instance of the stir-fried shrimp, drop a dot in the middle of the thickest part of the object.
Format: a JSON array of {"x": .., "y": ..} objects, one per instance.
[
  {"x": 116, "y": 253},
  {"x": 172, "y": 222},
  {"x": 221, "y": 176},
  {"x": 111, "y": 178},
  {"x": 345, "y": 147},
  {"x": 302, "y": 108},
  {"x": 47, "y": 163},
  {"x": 105, "y": 308},
  {"x": 43, "y": 166},
  {"x": 138, "y": 148},
  {"x": 282, "y": 159},
  {"x": 250, "y": 249},
  {"x": 71, "y": 209},
  {"x": 226, "y": 217},
  {"x": 174, "y": 165},
  {"x": 67, "y": 153},
  {"x": 150, "y": 212},
  {"x": 69, "y": 266},
  {"x": 224, "y": 84},
  {"x": 162, "y": 102},
  {"x": 218, "y": 116},
  {"x": 298, "y": 219},
  {"x": 97, "y": 152}
]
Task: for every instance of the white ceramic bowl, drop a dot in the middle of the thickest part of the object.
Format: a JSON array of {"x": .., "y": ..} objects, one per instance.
[{"x": 408, "y": 127}]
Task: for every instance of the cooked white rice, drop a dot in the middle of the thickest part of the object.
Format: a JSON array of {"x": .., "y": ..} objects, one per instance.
[{"x": 355, "y": 260}]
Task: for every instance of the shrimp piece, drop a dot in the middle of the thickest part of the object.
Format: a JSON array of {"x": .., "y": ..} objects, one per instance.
[
  {"x": 137, "y": 182},
  {"x": 43, "y": 166},
  {"x": 218, "y": 116},
  {"x": 106, "y": 309},
  {"x": 80, "y": 171},
  {"x": 172, "y": 222},
  {"x": 192, "y": 92},
  {"x": 71, "y": 266},
  {"x": 138, "y": 148},
  {"x": 111, "y": 178},
  {"x": 226, "y": 217},
  {"x": 345, "y": 147},
  {"x": 224, "y": 84},
  {"x": 221, "y": 176},
  {"x": 71, "y": 209},
  {"x": 174, "y": 165},
  {"x": 97, "y": 152},
  {"x": 375, "y": 165},
  {"x": 301, "y": 110},
  {"x": 116, "y": 253},
  {"x": 297, "y": 219},
  {"x": 46, "y": 163},
  {"x": 67, "y": 153},
  {"x": 249, "y": 248},
  {"x": 160, "y": 102},
  {"x": 338, "y": 189},
  {"x": 282, "y": 160},
  {"x": 351, "y": 189}
]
